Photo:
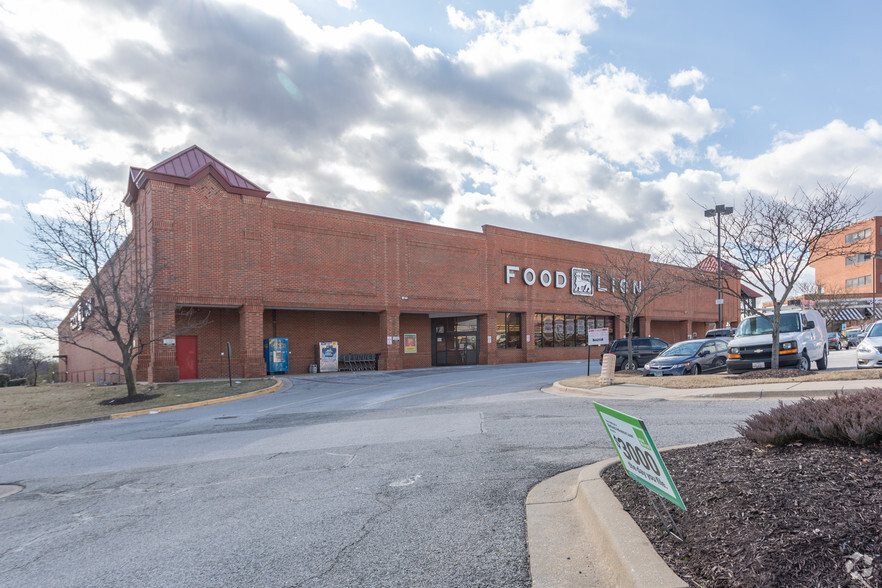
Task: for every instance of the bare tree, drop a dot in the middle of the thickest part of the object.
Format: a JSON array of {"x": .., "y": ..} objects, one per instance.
[
  {"x": 627, "y": 285},
  {"x": 769, "y": 241},
  {"x": 85, "y": 258},
  {"x": 17, "y": 360}
]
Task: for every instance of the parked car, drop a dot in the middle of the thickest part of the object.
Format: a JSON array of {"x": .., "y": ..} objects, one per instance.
[
  {"x": 642, "y": 350},
  {"x": 802, "y": 340},
  {"x": 725, "y": 333},
  {"x": 693, "y": 357},
  {"x": 869, "y": 351},
  {"x": 834, "y": 340},
  {"x": 853, "y": 337}
]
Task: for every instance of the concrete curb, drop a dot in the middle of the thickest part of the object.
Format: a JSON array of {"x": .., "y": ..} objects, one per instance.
[
  {"x": 122, "y": 415},
  {"x": 52, "y": 425},
  {"x": 578, "y": 534},
  {"x": 797, "y": 390}
]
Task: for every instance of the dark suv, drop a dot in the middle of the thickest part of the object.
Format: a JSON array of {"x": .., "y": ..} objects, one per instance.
[
  {"x": 727, "y": 333},
  {"x": 642, "y": 350}
]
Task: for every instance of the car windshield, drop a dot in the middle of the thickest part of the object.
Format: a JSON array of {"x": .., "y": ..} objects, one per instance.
[
  {"x": 875, "y": 331},
  {"x": 682, "y": 349},
  {"x": 761, "y": 324}
]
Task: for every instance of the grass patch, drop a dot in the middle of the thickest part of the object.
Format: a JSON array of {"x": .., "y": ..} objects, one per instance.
[
  {"x": 52, "y": 403},
  {"x": 720, "y": 380}
]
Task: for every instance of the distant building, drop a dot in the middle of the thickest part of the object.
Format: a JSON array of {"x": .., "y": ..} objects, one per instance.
[
  {"x": 855, "y": 278},
  {"x": 409, "y": 294},
  {"x": 749, "y": 296}
]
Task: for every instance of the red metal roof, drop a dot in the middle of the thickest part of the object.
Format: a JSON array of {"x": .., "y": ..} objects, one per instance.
[
  {"x": 749, "y": 292},
  {"x": 188, "y": 167},
  {"x": 709, "y": 264}
]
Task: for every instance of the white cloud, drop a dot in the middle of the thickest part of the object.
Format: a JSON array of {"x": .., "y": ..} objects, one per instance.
[
  {"x": 830, "y": 154},
  {"x": 84, "y": 35},
  {"x": 7, "y": 168},
  {"x": 513, "y": 130},
  {"x": 52, "y": 203},
  {"x": 691, "y": 77},
  {"x": 458, "y": 19},
  {"x": 347, "y": 4},
  {"x": 5, "y": 216}
]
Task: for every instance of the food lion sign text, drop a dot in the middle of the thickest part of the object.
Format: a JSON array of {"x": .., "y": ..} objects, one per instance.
[
  {"x": 638, "y": 453},
  {"x": 583, "y": 281}
]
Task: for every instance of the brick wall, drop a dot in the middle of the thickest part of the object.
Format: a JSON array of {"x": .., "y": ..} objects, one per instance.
[
  {"x": 832, "y": 272},
  {"x": 358, "y": 279}
]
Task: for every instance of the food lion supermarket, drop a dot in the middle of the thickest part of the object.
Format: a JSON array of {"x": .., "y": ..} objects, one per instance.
[{"x": 254, "y": 268}]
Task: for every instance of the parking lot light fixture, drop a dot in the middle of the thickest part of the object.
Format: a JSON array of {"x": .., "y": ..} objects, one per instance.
[{"x": 718, "y": 211}]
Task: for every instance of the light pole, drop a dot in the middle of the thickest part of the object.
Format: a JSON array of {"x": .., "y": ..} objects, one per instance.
[
  {"x": 718, "y": 211},
  {"x": 873, "y": 277}
]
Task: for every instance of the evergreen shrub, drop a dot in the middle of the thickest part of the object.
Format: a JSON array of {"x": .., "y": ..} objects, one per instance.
[{"x": 847, "y": 419}]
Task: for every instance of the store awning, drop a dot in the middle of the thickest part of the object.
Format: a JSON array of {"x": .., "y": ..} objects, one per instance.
[{"x": 859, "y": 313}]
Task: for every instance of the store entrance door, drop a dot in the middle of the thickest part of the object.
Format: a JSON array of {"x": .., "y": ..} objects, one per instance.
[{"x": 455, "y": 341}]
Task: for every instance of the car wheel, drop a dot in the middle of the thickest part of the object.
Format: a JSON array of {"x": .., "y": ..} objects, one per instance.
[
  {"x": 629, "y": 365},
  {"x": 694, "y": 370},
  {"x": 822, "y": 363},
  {"x": 804, "y": 364}
]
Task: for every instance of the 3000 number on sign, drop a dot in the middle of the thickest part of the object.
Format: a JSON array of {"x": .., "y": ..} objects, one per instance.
[{"x": 639, "y": 456}]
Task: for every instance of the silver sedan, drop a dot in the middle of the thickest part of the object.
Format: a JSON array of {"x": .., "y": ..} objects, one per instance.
[{"x": 869, "y": 352}]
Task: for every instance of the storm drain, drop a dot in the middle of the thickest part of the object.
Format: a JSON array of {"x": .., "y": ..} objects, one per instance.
[{"x": 9, "y": 489}]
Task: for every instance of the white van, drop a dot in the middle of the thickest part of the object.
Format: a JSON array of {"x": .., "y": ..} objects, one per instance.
[{"x": 802, "y": 340}]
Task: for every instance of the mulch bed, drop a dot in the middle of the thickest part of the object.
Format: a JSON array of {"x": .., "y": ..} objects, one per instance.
[
  {"x": 779, "y": 373},
  {"x": 808, "y": 514},
  {"x": 751, "y": 375}
]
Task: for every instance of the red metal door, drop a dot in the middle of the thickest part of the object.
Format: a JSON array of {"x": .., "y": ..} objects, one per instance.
[{"x": 188, "y": 366}]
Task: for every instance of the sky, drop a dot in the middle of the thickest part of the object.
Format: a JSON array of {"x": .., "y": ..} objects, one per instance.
[{"x": 604, "y": 121}]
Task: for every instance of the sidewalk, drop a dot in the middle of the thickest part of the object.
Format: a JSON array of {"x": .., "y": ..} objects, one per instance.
[
  {"x": 578, "y": 534},
  {"x": 768, "y": 390}
]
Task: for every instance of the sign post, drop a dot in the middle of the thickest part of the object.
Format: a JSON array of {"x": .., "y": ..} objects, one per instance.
[
  {"x": 638, "y": 453},
  {"x": 229, "y": 364},
  {"x": 596, "y": 337}
]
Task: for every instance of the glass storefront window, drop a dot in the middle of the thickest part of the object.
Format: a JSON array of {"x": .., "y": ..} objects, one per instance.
[
  {"x": 568, "y": 330},
  {"x": 467, "y": 325},
  {"x": 558, "y": 330},
  {"x": 581, "y": 331},
  {"x": 508, "y": 330}
]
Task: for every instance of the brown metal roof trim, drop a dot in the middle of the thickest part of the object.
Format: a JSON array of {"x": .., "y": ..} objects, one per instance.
[{"x": 189, "y": 167}]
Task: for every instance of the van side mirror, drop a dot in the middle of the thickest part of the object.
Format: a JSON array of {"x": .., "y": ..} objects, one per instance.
[{"x": 810, "y": 325}]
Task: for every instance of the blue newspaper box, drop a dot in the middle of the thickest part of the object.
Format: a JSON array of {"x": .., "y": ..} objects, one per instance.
[{"x": 275, "y": 353}]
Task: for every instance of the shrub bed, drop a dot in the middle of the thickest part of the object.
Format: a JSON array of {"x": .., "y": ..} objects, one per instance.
[{"x": 848, "y": 419}]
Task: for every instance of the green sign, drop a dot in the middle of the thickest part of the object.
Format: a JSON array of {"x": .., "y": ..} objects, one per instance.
[{"x": 638, "y": 453}]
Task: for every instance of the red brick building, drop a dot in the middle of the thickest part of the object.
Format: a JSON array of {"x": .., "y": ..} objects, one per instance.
[
  {"x": 857, "y": 275},
  {"x": 258, "y": 267}
]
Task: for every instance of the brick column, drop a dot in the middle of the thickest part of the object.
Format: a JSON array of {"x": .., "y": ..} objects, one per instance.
[
  {"x": 251, "y": 341},
  {"x": 163, "y": 362},
  {"x": 646, "y": 325},
  {"x": 487, "y": 327},
  {"x": 391, "y": 356}
]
